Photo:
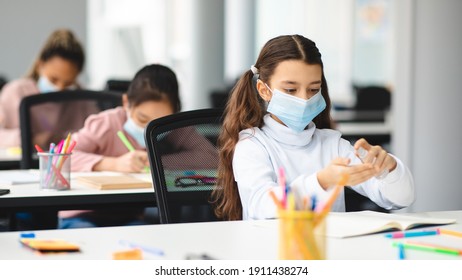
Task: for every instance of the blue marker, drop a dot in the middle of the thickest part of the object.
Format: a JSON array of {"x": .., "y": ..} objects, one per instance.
[
  {"x": 144, "y": 248},
  {"x": 51, "y": 151},
  {"x": 27, "y": 235},
  {"x": 404, "y": 234},
  {"x": 401, "y": 254},
  {"x": 314, "y": 202}
]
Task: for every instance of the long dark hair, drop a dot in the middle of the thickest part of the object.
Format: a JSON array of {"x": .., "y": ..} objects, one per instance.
[
  {"x": 245, "y": 109},
  {"x": 154, "y": 82}
]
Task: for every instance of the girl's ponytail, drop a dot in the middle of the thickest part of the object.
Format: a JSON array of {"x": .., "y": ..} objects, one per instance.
[{"x": 245, "y": 109}]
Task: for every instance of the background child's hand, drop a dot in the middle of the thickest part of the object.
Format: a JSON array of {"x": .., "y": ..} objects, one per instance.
[
  {"x": 375, "y": 155},
  {"x": 332, "y": 174},
  {"x": 132, "y": 162}
]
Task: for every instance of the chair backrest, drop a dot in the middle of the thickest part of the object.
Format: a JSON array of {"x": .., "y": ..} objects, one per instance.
[
  {"x": 372, "y": 98},
  {"x": 47, "y": 118},
  {"x": 183, "y": 153},
  {"x": 117, "y": 86},
  {"x": 3, "y": 82}
]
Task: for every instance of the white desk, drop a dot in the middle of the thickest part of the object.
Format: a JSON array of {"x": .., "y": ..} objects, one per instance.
[
  {"x": 28, "y": 196},
  {"x": 239, "y": 240},
  {"x": 375, "y": 126}
]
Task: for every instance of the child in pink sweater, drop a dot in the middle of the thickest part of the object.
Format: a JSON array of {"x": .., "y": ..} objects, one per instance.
[
  {"x": 56, "y": 68},
  {"x": 152, "y": 94}
]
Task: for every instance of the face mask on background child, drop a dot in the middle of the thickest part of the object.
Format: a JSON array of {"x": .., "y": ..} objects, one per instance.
[
  {"x": 135, "y": 131},
  {"x": 45, "y": 86},
  {"x": 296, "y": 113}
]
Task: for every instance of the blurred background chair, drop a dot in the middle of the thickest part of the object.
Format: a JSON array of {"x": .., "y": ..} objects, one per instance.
[
  {"x": 117, "y": 86},
  {"x": 372, "y": 98},
  {"x": 48, "y": 118},
  {"x": 372, "y": 105},
  {"x": 183, "y": 180},
  {"x": 3, "y": 81},
  {"x": 356, "y": 202}
]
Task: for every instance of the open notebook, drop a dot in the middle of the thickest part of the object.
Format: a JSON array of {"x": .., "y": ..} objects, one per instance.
[{"x": 351, "y": 224}]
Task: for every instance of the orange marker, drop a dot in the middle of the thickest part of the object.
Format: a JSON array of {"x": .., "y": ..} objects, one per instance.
[
  {"x": 450, "y": 232},
  {"x": 276, "y": 200},
  {"x": 66, "y": 143}
]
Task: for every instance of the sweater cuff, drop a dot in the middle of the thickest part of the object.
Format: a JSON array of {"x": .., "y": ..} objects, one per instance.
[{"x": 399, "y": 186}]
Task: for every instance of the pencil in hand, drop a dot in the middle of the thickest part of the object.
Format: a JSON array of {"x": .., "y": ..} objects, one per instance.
[{"x": 129, "y": 146}]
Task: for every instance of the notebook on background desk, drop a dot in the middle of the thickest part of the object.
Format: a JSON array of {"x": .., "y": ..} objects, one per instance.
[{"x": 114, "y": 182}]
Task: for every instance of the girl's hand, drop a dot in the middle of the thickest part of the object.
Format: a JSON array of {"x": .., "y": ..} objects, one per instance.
[
  {"x": 132, "y": 162},
  {"x": 333, "y": 173},
  {"x": 375, "y": 155}
]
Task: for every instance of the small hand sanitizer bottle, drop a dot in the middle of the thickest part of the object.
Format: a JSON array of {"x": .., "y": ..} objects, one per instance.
[{"x": 362, "y": 153}]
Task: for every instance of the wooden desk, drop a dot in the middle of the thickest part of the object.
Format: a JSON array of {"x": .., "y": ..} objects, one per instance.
[{"x": 237, "y": 240}]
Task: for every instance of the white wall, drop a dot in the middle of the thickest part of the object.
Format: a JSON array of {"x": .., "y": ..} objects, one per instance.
[
  {"x": 428, "y": 82},
  {"x": 329, "y": 23},
  {"x": 25, "y": 25},
  {"x": 186, "y": 35},
  {"x": 124, "y": 36}
]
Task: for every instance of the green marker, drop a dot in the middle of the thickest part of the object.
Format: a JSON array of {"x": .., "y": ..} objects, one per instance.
[
  {"x": 428, "y": 247},
  {"x": 125, "y": 141},
  {"x": 129, "y": 146}
]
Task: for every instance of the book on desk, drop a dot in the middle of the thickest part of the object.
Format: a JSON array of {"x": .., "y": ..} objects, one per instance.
[
  {"x": 351, "y": 224},
  {"x": 114, "y": 182}
]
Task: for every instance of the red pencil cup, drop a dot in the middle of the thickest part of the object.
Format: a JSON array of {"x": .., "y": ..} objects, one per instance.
[{"x": 55, "y": 171}]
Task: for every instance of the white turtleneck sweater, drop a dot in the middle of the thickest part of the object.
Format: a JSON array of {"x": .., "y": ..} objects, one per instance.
[{"x": 261, "y": 152}]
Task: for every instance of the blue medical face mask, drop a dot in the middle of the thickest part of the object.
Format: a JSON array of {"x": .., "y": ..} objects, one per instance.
[
  {"x": 296, "y": 113},
  {"x": 45, "y": 86},
  {"x": 135, "y": 131}
]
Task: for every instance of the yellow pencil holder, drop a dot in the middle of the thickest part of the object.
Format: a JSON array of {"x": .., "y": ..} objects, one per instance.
[{"x": 301, "y": 236}]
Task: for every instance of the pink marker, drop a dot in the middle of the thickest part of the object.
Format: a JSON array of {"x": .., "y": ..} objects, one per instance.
[{"x": 282, "y": 182}]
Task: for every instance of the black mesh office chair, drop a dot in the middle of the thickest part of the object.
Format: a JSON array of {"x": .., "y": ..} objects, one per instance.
[
  {"x": 372, "y": 98},
  {"x": 47, "y": 118},
  {"x": 372, "y": 102},
  {"x": 117, "y": 86},
  {"x": 3, "y": 82},
  {"x": 184, "y": 158}
]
